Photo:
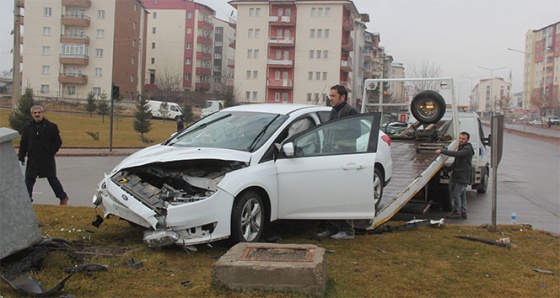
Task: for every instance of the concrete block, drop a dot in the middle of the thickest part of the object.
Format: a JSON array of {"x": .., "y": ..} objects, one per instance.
[
  {"x": 299, "y": 268},
  {"x": 18, "y": 225}
]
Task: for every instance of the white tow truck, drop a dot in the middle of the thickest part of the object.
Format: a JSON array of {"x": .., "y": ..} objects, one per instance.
[{"x": 421, "y": 177}]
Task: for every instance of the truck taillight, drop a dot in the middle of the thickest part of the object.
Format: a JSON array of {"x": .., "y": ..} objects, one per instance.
[{"x": 386, "y": 139}]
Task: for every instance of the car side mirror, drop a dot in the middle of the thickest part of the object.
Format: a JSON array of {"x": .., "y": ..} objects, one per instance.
[
  {"x": 488, "y": 140},
  {"x": 288, "y": 149}
]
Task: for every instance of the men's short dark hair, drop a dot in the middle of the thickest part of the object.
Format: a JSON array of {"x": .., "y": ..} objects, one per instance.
[
  {"x": 341, "y": 90},
  {"x": 465, "y": 134}
]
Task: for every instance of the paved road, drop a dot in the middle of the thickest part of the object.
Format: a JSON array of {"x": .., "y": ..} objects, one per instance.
[{"x": 528, "y": 182}]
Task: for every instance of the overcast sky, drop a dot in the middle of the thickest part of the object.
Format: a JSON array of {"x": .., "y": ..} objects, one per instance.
[{"x": 456, "y": 35}]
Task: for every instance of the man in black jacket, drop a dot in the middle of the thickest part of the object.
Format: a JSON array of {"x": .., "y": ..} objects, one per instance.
[
  {"x": 461, "y": 176},
  {"x": 40, "y": 140}
]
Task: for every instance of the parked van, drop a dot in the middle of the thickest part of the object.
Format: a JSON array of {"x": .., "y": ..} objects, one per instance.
[
  {"x": 211, "y": 106},
  {"x": 173, "y": 110}
]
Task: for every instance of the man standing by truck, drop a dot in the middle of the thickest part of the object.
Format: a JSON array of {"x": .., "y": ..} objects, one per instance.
[{"x": 461, "y": 175}]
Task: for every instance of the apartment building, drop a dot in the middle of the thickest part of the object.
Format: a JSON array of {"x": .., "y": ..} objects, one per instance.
[
  {"x": 293, "y": 51},
  {"x": 491, "y": 96},
  {"x": 180, "y": 42},
  {"x": 541, "y": 71},
  {"x": 74, "y": 47},
  {"x": 224, "y": 57}
]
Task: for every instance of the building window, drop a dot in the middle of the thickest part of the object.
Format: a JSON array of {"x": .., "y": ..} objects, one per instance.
[
  {"x": 98, "y": 52},
  {"x": 134, "y": 43},
  {"x": 257, "y": 33},
  {"x": 309, "y": 96},
  {"x": 46, "y": 50},
  {"x": 135, "y": 7},
  {"x": 316, "y": 97},
  {"x": 153, "y": 60},
  {"x": 189, "y": 30},
  {"x": 71, "y": 90},
  {"x": 134, "y": 26},
  {"x": 255, "y": 74},
  {"x": 46, "y": 70},
  {"x": 219, "y": 30},
  {"x": 256, "y": 54},
  {"x": 324, "y": 75},
  {"x": 313, "y": 12},
  {"x": 188, "y": 46},
  {"x": 100, "y": 33},
  {"x": 317, "y": 75},
  {"x": 248, "y": 95},
  {"x": 189, "y": 15},
  {"x": 98, "y": 72},
  {"x": 132, "y": 61},
  {"x": 277, "y": 75},
  {"x": 280, "y": 12},
  {"x": 48, "y": 12},
  {"x": 153, "y": 30},
  {"x": 101, "y": 14},
  {"x": 311, "y": 54},
  {"x": 187, "y": 77},
  {"x": 45, "y": 89},
  {"x": 249, "y": 54},
  {"x": 327, "y": 11},
  {"x": 319, "y": 33},
  {"x": 325, "y": 54},
  {"x": 251, "y": 12},
  {"x": 154, "y": 15},
  {"x": 250, "y": 33},
  {"x": 132, "y": 78},
  {"x": 320, "y": 12},
  {"x": 254, "y": 95},
  {"x": 276, "y": 96},
  {"x": 312, "y": 33},
  {"x": 327, "y": 32},
  {"x": 188, "y": 61},
  {"x": 96, "y": 91},
  {"x": 278, "y": 55},
  {"x": 217, "y": 55},
  {"x": 153, "y": 45},
  {"x": 284, "y": 97},
  {"x": 248, "y": 75},
  {"x": 46, "y": 31},
  {"x": 258, "y": 12},
  {"x": 318, "y": 54},
  {"x": 288, "y": 12},
  {"x": 309, "y": 75}
]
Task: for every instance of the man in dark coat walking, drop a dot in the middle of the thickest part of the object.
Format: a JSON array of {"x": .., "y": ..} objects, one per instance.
[
  {"x": 40, "y": 141},
  {"x": 461, "y": 176}
]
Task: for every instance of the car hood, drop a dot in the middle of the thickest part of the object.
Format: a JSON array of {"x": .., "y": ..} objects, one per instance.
[{"x": 163, "y": 153}]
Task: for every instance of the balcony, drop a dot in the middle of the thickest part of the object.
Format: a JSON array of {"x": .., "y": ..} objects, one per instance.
[
  {"x": 204, "y": 40},
  {"x": 281, "y": 41},
  {"x": 202, "y": 86},
  {"x": 348, "y": 25},
  {"x": 280, "y": 63},
  {"x": 203, "y": 55},
  {"x": 74, "y": 59},
  {"x": 280, "y": 84},
  {"x": 231, "y": 63},
  {"x": 232, "y": 43},
  {"x": 282, "y": 21},
  {"x": 77, "y": 3},
  {"x": 346, "y": 65},
  {"x": 348, "y": 44},
  {"x": 72, "y": 78},
  {"x": 74, "y": 39},
  {"x": 75, "y": 20},
  {"x": 205, "y": 25},
  {"x": 203, "y": 71}
]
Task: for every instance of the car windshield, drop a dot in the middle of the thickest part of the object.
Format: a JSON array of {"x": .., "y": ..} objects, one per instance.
[{"x": 245, "y": 131}]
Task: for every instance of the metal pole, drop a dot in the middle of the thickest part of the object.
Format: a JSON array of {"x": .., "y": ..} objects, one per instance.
[
  {"x": 16, "y": 79},
  {"x": 111, "y": 126},
  {"x": 494, "y": 165}
]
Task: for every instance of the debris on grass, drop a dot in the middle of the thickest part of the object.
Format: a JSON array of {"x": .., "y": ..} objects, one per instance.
[
  {"x": 543, "y": 271},
  {"x": 487, "y": 241}
]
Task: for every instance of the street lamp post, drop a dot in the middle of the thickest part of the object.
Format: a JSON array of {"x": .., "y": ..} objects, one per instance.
[
  {"x": 543, "y": 94},
  {"x": 492, "y": 102},
  {"x": 526, "y": 92}
]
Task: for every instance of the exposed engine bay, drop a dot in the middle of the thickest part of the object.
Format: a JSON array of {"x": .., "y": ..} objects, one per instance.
[{"x": 159, "y": 185}]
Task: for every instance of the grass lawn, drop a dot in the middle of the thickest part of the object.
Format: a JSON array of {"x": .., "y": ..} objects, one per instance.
[
  {"x": 421, "y": 262},
  {"x": 74, "y": 129}
]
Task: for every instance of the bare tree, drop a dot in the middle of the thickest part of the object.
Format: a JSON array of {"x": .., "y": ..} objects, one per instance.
[{"x": 426, "y": 69}]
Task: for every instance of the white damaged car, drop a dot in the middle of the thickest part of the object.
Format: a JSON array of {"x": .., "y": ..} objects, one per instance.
[{"x": 231, "y": 173}]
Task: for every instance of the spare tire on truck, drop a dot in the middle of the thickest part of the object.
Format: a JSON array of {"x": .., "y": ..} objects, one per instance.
[{"x": 428, "y": 107}]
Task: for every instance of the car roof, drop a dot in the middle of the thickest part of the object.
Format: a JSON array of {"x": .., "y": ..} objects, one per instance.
[{"x": 276, "y": 108}]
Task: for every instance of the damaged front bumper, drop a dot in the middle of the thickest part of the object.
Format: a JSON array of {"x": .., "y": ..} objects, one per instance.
[{"x": 191, "y": 222}]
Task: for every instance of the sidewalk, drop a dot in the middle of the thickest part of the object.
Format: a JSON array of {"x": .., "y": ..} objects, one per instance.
[{"x": 552, "y": 132}]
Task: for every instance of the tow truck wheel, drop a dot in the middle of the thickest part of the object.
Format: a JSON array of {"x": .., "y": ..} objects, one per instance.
[
  {"x": 483, "y": 185},
  {"x": 247, "y": 218},
  {"x": 428, "y": 107},
  {"x": 445, "y": 199}
]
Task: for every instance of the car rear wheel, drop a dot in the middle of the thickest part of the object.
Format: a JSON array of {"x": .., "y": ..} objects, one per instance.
[
  {"x": 377, "y": 188},
  {"x": 428, "y": 107},
  {"x": 482, "y": 187},
  {"x": 247, "y": 218}
]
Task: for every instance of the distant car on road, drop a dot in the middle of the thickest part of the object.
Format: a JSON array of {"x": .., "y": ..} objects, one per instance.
[
  {"x": 554, "y": 120},
  {"x": 536, "y": 122}
]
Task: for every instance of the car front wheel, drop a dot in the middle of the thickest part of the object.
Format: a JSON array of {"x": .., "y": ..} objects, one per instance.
[
  {"x": 377, "y": 188},
  {"x": 247, "y": 218}
]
